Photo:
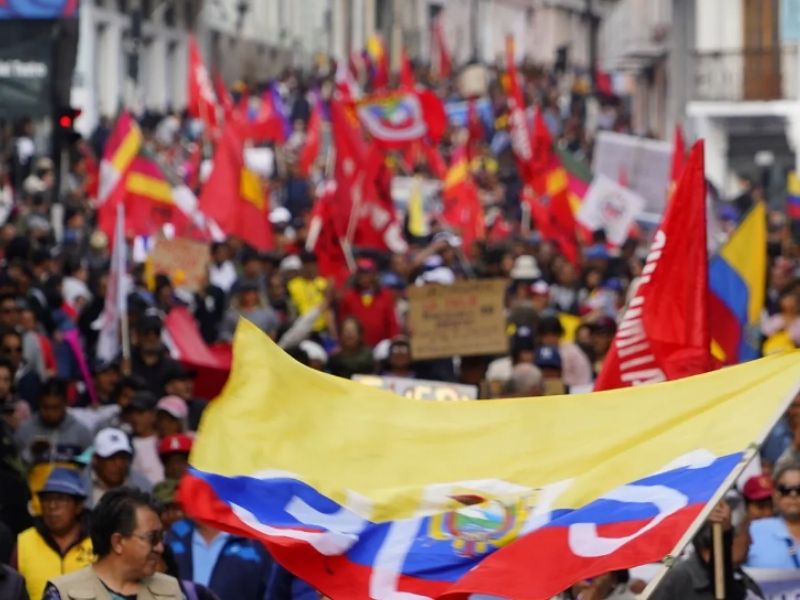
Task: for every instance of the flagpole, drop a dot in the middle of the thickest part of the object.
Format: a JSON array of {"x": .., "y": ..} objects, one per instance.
[
  {"x": 718, "y": 550},
  {"x": 749, "y": 454},
  {"x": 122, "y": 300}
]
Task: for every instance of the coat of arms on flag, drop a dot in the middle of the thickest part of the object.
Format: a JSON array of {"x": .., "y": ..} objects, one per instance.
[{"x": 393, "y": 118}]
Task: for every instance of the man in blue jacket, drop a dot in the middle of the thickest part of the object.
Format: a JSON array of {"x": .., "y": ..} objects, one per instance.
[{"x": 234, "y": 568}]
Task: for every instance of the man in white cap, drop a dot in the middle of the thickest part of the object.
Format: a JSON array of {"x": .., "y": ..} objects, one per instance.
[{"x": 111, "y": 466}]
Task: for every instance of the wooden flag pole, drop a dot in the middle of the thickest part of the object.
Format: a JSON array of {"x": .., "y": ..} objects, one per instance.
[{"x": 719, "y": 561}]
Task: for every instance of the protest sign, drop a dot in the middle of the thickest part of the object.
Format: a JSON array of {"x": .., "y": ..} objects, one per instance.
[
  {"x": 184, "y": 261},
  {"x": 643, "y": 162},
  {"x": 420, "y": 389},
  {"x": 611, "y": 207},
  {"x": 463, "y": 319}
]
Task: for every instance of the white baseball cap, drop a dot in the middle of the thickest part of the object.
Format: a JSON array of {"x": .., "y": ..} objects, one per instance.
[{"x": 110, "y": 441}]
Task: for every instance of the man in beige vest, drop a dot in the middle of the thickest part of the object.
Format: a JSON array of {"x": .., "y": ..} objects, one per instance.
[{"x": 128, "y": 540}]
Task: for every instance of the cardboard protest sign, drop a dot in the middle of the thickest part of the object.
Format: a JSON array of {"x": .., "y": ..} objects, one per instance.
[
  {"x": 184, "y": 261},
  {"x": 420, "y": 389},
  {"x": 463, "y": 319}
]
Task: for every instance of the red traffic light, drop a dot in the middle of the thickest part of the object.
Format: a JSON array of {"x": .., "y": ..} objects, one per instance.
[{"x": 66, "y": 117}]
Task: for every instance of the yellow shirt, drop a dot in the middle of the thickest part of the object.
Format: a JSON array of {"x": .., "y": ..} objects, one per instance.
[
  {"x": 38, "y": 562},
  {"x": 307, "y": 294}
]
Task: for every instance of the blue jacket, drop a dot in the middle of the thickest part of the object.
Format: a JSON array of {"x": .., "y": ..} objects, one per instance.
[{"x": 244, "y": 569}]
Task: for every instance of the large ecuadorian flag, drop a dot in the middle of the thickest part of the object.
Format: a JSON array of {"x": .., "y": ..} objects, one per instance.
[{"x": 366, "y": 494}]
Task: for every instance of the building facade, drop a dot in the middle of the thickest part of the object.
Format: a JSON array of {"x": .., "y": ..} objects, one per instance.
[{"x": 255, "y": 40}]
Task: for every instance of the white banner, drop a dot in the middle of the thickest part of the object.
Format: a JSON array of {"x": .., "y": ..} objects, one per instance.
[{"x": 610, "y": 206}]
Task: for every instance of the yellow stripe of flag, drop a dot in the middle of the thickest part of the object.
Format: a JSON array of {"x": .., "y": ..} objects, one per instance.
[
  {"x": 556, "y": 182},
  {"x": 746, "y": 252},
  {"x": 250, "y": 188},
  {"x": 127, "y": 150},
  {"x": 152, "y": 187}
]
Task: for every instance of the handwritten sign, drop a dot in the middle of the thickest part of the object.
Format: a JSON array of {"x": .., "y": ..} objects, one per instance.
[
  {"x": 463, "y": 319},
  {"x": 420, "y": 389},
  {"x": 183, "y": 261}
]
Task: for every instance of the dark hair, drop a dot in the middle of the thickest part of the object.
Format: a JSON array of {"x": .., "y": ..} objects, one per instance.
[
  {"x": 54, "y": 387},
  {"x": 6, "y": 364},
  {"x": 550, "y": 325},
  {"x": 130, "y": 381},
  {"x": 8, "y": 296},
  {"x": 703, "y": 538},
  {"x": 116, "y": 513}
]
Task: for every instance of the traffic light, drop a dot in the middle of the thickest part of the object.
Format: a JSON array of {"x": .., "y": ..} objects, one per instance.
[{"x": 65, "y": 124}]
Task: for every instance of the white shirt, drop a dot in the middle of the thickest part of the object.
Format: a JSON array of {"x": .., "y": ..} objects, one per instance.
[
  {"x": 146, "y": 460},
  {"x": 223, "y": 276}
]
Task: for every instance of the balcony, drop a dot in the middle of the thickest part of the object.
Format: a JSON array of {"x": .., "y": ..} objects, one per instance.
[{"x": 760, "y": 74}]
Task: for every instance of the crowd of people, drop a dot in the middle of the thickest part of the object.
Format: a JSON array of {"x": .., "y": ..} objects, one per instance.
[{"x": 90, "y": 476}]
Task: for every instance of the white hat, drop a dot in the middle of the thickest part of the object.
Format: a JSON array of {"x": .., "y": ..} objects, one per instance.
[
  {"x": 280, "y": 215},
  {"x": 525, "y": 267},
  {"x": 381, "y": 350},
  {"x": 314, "y": 351},
  {"x": 110, "y": 441},
  {"x": 291, "y": 263}
]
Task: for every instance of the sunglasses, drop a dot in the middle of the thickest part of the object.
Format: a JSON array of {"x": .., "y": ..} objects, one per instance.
[
  {"x": 14, "y": 349},
  {"x": 788, "y": 490},
  {"x": 154, "y": 538}
]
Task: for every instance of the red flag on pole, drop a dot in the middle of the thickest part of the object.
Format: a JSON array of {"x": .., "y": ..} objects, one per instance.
[
  {"x": 323, "y": 239},
  {"x": 202, "y": 101},
  {"x": 310, "y": 150},
  {"x": 407, "y": 81},
  {"x": 678, "y": 156},
  {"x": 441, "y": 62},
  {"x": 224, "y": 96},
  {"x": 517, "y": 120},
  {"x": 665, "y": 333},
  {"x": 233, "y": 195},
  {"x": 462, "y": 208}
]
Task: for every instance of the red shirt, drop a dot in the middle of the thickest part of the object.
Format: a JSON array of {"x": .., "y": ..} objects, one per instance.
[{"x": 375, "y": 310}]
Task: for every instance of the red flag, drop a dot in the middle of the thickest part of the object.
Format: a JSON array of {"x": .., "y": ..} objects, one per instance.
[
  {"x": 379, "y": 62},
  {"x": 517, "y": 120},
  {"x": 346, "y": 86},
  {"x": 442, "y": 63},
  {"x": 351, "y": 155},
  {"x": 224, "y": 96},
  {"x": 462, "y": 205},
  {"x": 407, "y": 81},
  {"x": 310, "y": 149},
  {"x": 477, "y": 133},
  {"x": 233, "y": 195},
  {"x": 187, "y": 346},
  {"x": 267, "y": 126},
  {"x": 202, "y": 102},
  {"x": 323, "y": 239},
  {"x": 377, "y": 226},
  {"x": 434, "y": 113},
  {"x": 664, "y": 334},
  {"x": 678, "y": 156}
]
